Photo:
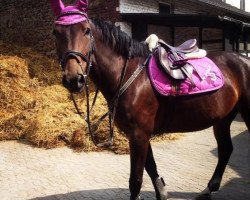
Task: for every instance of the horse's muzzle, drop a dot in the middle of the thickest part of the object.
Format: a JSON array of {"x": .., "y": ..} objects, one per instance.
[{"x": 74, "y": 84}]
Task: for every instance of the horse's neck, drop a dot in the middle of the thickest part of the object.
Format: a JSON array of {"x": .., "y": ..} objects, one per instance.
[{"x": 107, "y": 67}]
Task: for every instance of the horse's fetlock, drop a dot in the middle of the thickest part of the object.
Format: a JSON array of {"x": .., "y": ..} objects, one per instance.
[
  {"x": 161, "y": 186},
  {"x": 214, "y": 185}
]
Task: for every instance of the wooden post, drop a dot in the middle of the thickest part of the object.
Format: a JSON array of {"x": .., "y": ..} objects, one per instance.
[
  {"x": 173, "y": 35},
  {"x": 200, "y": 37},
  {"x": 242, "y": 5}
]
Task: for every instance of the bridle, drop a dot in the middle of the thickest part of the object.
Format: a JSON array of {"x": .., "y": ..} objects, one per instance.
[
  {"x": 75, "y": 54},
  {"x": 112, "y": 105},
  {"x": 87, "y": 58}
]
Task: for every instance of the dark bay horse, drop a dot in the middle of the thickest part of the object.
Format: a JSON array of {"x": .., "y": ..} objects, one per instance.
[{"x": 141, "y": 111}]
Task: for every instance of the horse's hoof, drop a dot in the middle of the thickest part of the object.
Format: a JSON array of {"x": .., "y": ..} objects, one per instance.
[
  {"x": 161, "y": 186},
  {"x": 204, "y": 195},
  {"x": 137, "y": 198}
]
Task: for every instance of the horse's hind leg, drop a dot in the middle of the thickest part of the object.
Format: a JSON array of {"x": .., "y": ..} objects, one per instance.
[
  {"x": 245, "y": 113},
  {"x": 225, "y": 149},
  {"x": 151, "y": 168}
]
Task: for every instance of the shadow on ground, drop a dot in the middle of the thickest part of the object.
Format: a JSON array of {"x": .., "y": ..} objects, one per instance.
[
  {"x": 226, "y": 193},
  {"x": 235, "y": 189},
  {"x": 101, "y": 194}
]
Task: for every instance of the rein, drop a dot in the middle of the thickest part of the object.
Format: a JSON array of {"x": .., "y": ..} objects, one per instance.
[{"x": 112, "y": 108}]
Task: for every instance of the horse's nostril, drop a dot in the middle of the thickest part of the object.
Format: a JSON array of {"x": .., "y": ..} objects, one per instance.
[
  {"x": 81, "y": 81},
  {"x": 81, "y": 78},
  {"x": 74, "y": 84}
]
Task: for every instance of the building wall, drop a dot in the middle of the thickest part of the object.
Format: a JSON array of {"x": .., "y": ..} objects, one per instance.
[
  {"x": 181, "y": 33},
  {"x": 184, "y": 33},
  {"x": 138, "y": 6},
  {"x": 30, "y": 23},
  {"x": 107, "y": 10},
  {"x": 163, "y": 32},
  {"x": 152, "y": 6},
  {"x": 27, "y": 23}
]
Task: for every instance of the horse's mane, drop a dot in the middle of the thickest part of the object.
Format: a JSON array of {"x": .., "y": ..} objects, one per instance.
[{"x": 119, "y": 41}]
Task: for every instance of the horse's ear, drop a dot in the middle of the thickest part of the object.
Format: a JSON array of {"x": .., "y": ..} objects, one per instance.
[
  {"x": 57, "y": 6},
  {"x": 82, "y": 5}
]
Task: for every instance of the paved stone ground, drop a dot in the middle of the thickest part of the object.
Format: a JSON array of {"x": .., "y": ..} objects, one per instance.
[{"x": 60, "y": 174}]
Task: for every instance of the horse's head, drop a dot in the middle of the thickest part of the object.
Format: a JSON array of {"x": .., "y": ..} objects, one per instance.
[{"x": 74, "y": 42}]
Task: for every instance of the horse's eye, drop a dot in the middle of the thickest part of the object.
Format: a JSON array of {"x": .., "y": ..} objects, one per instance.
[{"x": 87, "y": 32}]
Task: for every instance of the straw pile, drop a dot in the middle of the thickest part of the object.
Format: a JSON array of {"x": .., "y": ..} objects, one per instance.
[{"x": 35, "y": 107}]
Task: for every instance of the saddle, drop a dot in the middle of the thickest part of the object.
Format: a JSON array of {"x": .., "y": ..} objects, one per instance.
[
  {"x": 173, "y": 60},
  {"x": 182, "y": 70}
]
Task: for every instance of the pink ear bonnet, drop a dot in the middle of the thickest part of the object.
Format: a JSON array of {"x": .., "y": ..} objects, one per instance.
[{"x": 70, "y": 14}]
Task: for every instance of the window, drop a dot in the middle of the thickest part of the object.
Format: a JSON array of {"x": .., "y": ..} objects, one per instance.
[
  {"x": 236, "y": 3},
  {"x": 247, "y": 6},
  {"x": 244, "y": 45},
  {"x": 165, "y": 8}
]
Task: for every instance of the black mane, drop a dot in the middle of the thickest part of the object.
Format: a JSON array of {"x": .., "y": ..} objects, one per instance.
[{"x": 119, "y": 41}]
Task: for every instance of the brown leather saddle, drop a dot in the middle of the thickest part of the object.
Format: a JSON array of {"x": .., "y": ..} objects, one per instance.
[{"x": 173, "y": 59}]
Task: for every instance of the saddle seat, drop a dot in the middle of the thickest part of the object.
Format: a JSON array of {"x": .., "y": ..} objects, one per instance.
[{"x": 188, "y": 46}]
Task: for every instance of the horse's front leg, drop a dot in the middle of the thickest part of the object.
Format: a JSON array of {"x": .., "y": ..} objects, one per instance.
[
  {"x": 151, "y": 168},
  {"x": 138, "y": 143}
]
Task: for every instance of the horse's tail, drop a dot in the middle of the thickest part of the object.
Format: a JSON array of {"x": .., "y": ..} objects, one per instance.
[{"x": 245, "y": 99}]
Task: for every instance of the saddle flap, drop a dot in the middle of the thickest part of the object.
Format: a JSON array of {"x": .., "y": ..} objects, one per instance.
[{"x": 170, "y": 63}]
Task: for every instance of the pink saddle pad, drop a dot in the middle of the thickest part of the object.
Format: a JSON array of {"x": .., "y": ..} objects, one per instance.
[{"x": 206, "y": 77}]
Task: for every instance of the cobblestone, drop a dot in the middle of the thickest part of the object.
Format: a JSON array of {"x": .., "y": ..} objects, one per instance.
[{"x": 28, "y": 173}]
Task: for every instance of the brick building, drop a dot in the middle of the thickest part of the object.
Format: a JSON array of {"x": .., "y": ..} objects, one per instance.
[{"x": 214, "y": 23}]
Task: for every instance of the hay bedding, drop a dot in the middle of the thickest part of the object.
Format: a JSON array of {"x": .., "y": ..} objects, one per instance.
[{"x": 35, "y": 107}]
